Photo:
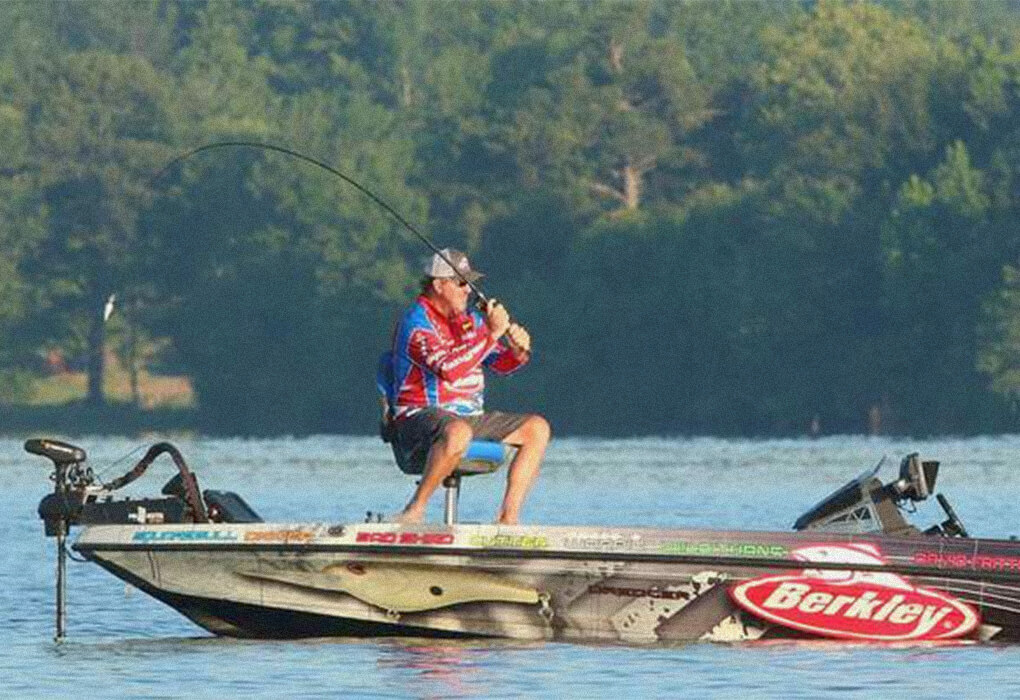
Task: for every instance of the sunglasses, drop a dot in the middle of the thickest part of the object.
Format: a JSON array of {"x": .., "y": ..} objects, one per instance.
[{"x": 463, "y": 284}]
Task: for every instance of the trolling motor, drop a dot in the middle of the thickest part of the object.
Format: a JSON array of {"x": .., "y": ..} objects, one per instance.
[
  {"x": 79, "y": 498},
  {"x": 58, "y": 510}
]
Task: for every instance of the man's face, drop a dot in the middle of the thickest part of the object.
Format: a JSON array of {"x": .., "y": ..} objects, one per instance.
[{"x": 454, "y": 292}]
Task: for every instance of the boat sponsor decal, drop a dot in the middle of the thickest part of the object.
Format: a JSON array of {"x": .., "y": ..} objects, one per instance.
[
  {"x": 509, "y": 541},
  {"x": 285, "y": 536},
  {"x": 412, "y": 538},
  {"x": 751, "y": 550},
  {"x": 985, "y": 562},
  {"x": 184, "y": 536},
  {"x": 874, "y": 606},
  {"x": 629, "y": 592},
  {"x": 603, "y": 541}
]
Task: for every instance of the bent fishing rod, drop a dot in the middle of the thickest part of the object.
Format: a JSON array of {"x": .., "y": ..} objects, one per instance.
[{"x": 483, "y": 300}]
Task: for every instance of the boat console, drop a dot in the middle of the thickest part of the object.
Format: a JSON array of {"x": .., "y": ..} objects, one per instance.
[{"x": 866, "y": 505}]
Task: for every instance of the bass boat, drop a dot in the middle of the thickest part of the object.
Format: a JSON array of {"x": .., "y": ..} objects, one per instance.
[{"x": 852, "y": 568}]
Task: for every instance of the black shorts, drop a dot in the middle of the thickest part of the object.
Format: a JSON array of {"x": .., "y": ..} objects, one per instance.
[{"x": 413, "y": 436}]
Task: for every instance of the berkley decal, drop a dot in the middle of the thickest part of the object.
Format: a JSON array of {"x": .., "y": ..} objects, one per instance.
[{"x": 874, "y": 606}]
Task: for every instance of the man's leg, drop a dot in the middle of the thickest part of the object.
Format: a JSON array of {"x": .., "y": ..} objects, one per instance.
[
  {"x": 531, "y": 440},
  {"x": 444, "y": 456}
]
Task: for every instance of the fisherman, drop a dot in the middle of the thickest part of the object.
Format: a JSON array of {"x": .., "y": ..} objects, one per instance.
[{"x": 440, "y": 348}]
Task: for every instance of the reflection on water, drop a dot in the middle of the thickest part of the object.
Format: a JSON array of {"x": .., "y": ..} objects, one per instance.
[
  {"x": 445, "y": 669},
  {"x": 132, "y": 646}
]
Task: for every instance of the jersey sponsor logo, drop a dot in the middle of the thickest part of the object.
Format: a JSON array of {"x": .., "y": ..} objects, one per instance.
[{"x": 863, "y": 605}]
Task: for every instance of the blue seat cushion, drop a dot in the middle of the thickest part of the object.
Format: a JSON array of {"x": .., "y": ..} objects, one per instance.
[{"x": 482, "y": 457}]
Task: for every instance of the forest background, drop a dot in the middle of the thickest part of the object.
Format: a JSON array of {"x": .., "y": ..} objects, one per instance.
[{"x": 727, "y": 218}]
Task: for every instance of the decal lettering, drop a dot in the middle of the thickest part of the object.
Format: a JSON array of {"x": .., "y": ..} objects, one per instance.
[
  {"x": 864, "y": 607},
  {"x": 726, "y": 549},
  {"x": 509, "y": 541},
  {"x": 431, "y": 538},
  {"x": 377, "y": 537},
  {"x": 624, "y": 592},
  {"x": 278, "y": 536},
  {"x": 420, "y": 538},
  {"x": 602, "y": 540},
  {"x": 964, "y": 561},
  {"x": 184, "y": 536}
]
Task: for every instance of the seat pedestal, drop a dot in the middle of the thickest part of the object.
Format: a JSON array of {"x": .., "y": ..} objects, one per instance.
[
  {"x": 482, "y": 457},
  {"x": 452, "y": 485}
]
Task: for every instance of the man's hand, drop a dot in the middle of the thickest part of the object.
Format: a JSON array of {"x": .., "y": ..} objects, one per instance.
[
  {"x": 497, "y": 318},
  {"x": 520, "y": 339}
]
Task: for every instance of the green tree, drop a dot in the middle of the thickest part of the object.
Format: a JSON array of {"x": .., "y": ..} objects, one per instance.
[
  {"x": 844, "y": 95},
  {"x": 944, "y": 249},
  {"x": 102, "y": 126}
]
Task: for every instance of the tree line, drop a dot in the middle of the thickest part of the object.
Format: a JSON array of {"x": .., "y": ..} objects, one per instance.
[{"x": 715, "y": 217}]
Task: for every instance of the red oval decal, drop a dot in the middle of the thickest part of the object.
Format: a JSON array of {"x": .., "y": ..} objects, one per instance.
[{"x": 878, "y": 607}]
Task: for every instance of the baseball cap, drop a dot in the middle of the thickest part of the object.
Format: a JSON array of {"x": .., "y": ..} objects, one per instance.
[{"x": 440, "y": 269}]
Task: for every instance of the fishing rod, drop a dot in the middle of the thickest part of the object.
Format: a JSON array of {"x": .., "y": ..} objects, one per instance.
[{"x": 483, "y": 300}]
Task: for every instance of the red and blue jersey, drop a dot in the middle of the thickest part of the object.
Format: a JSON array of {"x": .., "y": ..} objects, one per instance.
[{"x": 438, "y": 360}]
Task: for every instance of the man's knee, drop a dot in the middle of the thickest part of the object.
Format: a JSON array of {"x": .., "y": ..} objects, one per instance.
[
  {"x": 537, "y": 430},
  {"x": 456, "y": 436}
]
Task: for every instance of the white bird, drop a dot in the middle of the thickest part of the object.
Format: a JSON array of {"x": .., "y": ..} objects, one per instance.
[{"x": 108, "y": 308}]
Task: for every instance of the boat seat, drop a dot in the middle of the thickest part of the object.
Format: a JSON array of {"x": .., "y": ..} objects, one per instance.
[{"x": 482, "y": 456}]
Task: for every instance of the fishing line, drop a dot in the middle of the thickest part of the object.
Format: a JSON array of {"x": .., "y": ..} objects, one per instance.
[
  {"x": 106, "y": 469},
  {"x": 330, "y": 169}
]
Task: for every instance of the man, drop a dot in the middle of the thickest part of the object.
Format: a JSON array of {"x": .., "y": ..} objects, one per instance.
[{"x": 440, "y": 348}]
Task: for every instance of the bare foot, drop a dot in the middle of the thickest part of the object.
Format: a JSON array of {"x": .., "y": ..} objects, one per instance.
[{"x": 409, "y": 517}]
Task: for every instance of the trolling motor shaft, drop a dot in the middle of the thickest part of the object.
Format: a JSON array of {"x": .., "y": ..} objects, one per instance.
[{"x": 60, "y": 508}]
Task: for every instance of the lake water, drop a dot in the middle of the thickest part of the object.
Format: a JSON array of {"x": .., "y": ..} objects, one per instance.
[{"x": 124, "y": 644}]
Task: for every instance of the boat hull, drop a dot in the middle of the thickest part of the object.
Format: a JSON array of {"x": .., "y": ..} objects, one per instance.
[{"x": 625, "y": 585}]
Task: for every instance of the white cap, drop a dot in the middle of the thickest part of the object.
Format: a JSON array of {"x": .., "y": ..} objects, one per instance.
[{"x": 438, "y": 268}]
